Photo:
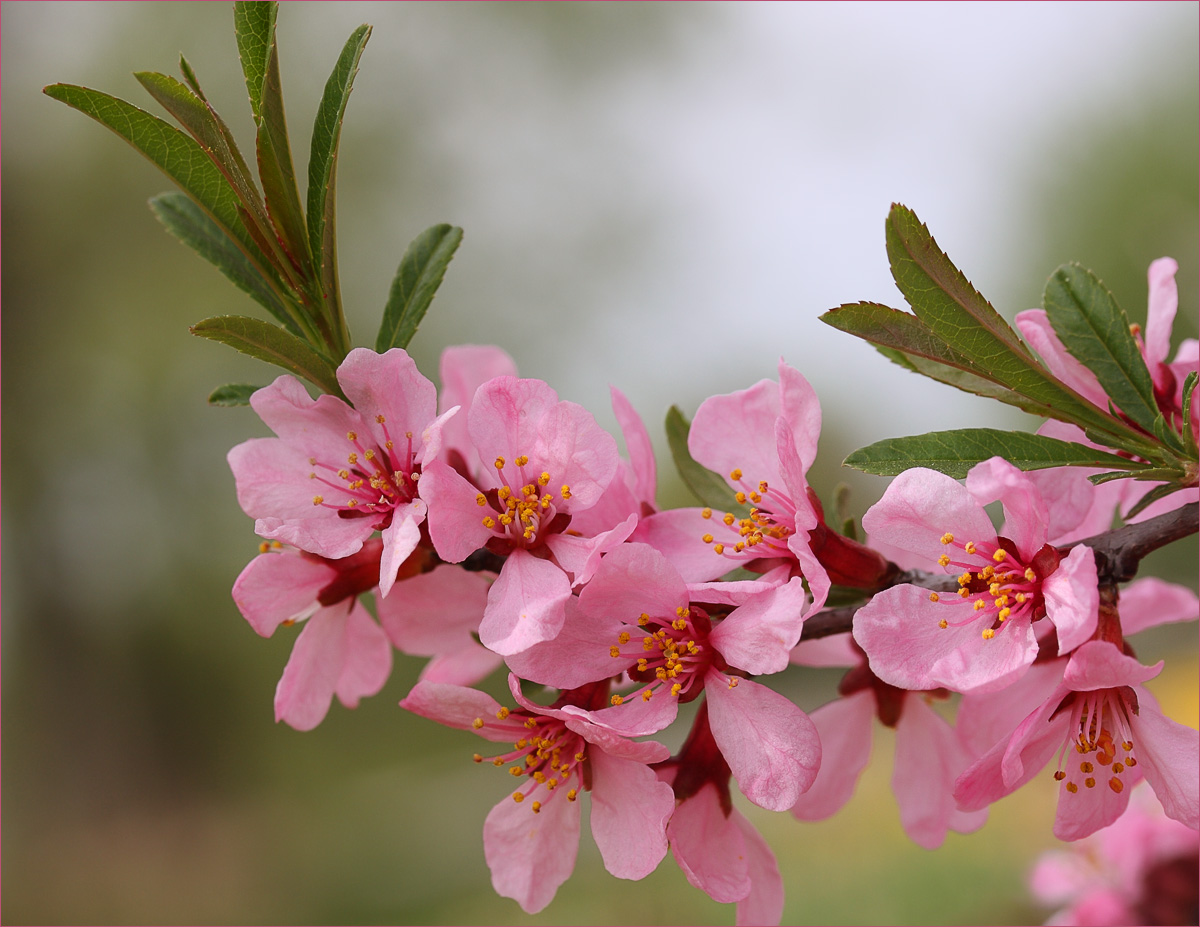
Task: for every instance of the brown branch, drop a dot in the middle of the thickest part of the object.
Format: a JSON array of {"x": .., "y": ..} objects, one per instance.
[{"x": 1118, "y": 554}]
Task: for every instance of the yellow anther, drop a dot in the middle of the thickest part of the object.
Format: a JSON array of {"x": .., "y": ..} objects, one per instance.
[
  {"x": 352, "y": 459},
  {"x": 497, "y": 762},
  {"x": 988, "y": 634},
  {"x": 1072, "y": 788},
  {"x": 643, "y": 619},
  {"x": 944, "y": 560},
  {"x": 1030, "y": 575},
  {"x": 544, "y": 479},
  {"x": 762, "y": 486},
  {"x": 477, "y": 723},
  {"x": 741, "y": 498},
  {"x": 369, "y": 454},
  {"x": 755, "y": 497},
  {"x": 1004, "y": 613},
  {"x": 502, "y": 713},
  {"x": 288, "y": 622},
  {"x": 707, "y": 539},
  {"x": 676, "y": 689},
  {"x": 1000, "y": 555},
  {"x": 964, "y": 593},
  {"x": 706, "y": 513},
  {"x": 647, "y": 643},
  {"x": 969, "y": 547},
  {"x": 1021, "y": 598},
  {"x": 489, "y": 522},
  {"x": 481, "y": 499},
  {"x": 965, "y": 579},
  {"x": 733, "y": 682},
  {"x": 498, "y": 463},
  {"x": 735, "y": 474},
  {"x": 389, "y": 444},
  {"x": 518, "y": 797},
  {"x": 1118, "y": 767},
  {"x": 1090, "y": 782},
  {"x": 646, "y": 695},
  {"x": 947, "y": 538},
  {"x": 516, "y": 771},
  {"x": 317, "y": 500},
  {"x": 1116, "y": 784},
  {"x": 572, "y": 795},
  {"x": 616, "y": 699},
  {"x": 566, "y": 491},
  {"x": 351, "y": 435},
  {"x": 980, "y": 605},
  {"x": 719, "y": 549},
  {"x": 264, "y": 547},
  {"x": 934, "y": 597},
  {"x": 623, "y": 637},
  {"x": 1059, "y": 775},
  {"x": 614, "y": 652},
  {"x": 521, "y": 461}
]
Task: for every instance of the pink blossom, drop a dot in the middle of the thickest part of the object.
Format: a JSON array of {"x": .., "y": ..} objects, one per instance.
[
  {"x": 341, "y": 650},
  {"x": 719, "y": 851},
  {"x": 929, "y": 753},
  {"x": 762, "y": 440},
  {"x": 1107, "y": 732},
  {"x": 1139, "y": 870},
  {"x": 547, "y": 460},
  {"x": 335, "y": 474},
  {"x": 984, "y": 633},
  {"x": 531, "y": 838},
  {"x": 636, "y": 616},
  {"x": 463, "y": 369}
]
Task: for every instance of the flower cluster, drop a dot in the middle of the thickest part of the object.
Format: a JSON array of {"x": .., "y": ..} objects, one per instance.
[{"x": 497, "y": 525}]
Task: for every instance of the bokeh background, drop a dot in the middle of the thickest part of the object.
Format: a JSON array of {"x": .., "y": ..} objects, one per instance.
[{"x": 659, "y": 197}]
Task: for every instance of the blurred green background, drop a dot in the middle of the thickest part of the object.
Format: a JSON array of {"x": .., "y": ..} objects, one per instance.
[{"x": 660, "y": 197}]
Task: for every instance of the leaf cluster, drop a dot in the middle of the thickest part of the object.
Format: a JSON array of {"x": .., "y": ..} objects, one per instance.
[
  {"x": 955, "y": 336},
  {"x": 256, "y": 231}
]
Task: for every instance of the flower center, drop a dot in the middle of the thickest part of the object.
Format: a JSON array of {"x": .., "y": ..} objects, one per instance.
[
  {"x": 376, "y": 478},
  {"x": 760, "y": 535},
  {"x": 673, "y": 653},
  {"x": 997, "y": 582},
  {"x": 1101, "y": 736},
  {"x": 519, "y": 515},
  {"x": 549, "y": 756}
]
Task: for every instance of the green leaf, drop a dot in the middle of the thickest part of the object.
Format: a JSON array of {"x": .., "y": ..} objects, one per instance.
[
  {"x": 955, "y": 452},
  {"x": 177, "y": 155},
  {"x": 707, "y": 486},
  {"x": 417, "y": 279},
  {"x": 190, "y": 76},
  {"x": 254, "y": 24},
  {"x": 943, "y": 298},
  {"x": 1158, "y": 492},
  {"x": 322, "y": 167},
  {"x": 232, "y": 394},
  {"x": 1095, "y": 330},
  {"x": 272, "y": 344},
  {"x": 192, "y": 226},
  {"x": 890, "y": 328},
  {"x": 1189, "y": 433}
]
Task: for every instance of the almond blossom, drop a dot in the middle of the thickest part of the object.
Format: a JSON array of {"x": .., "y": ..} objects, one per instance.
[
  {"x": 337, "y": 473},
  {"x": 636, "y": 615},
  {"x": 762, "y": 440},
  {"x": 1107, "y": 732},
  {"x": 531, "y": 837},
  {"x": 1141, "y": 869},
  {"x": 929, "y": 753},
  {"x": 546, "y": 460},
  {"x": 341, "y": 650},
  {"x": 982, "y": 633}
]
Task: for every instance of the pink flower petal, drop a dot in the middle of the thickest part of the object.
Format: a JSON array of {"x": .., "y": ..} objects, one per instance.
[
  {"x": 929, "y": 756},
  {"x": 577, "y": 655},
  {"x": 737, "y": 431},
  {"x": 921, "y": 505},
  {"x": 279, "y": 587},
  {"x": 525, "y": 605},
  {"x": 771, "y": 746},
  {"x": 764, "y": 903},
  {"x": 400, "y": 539},
  {"x": 677, "y": 533},
  {"x": 580, "y": 556},
  {"x": 454, "y": 516},
  {"x": 638, "y": 446},
  {"x": 1010, "y": 763},
  {"x": 799, "y": 405},
  {"x": 834, "y": 650},
  {"x": 388, "y": 385},
  {"x": 1100, "y": 665},
  {"x": 368, "y": 660},
  {"x": 1160, "y": 314},
  {"x": 759, "y": 635},
  {"x": 634, "y": 578},
  {"x": 1088, "y": 810},
  {"x": 630, "y": 810},
  {"x": 1149, "y": 602},
  {"x": 531, "y": 855},
  {"x": 458, "y": 707},
  {"x": 1025, "y": 515},
  {"x": 1073, "y": 598},
  {"x": 844, "y": 726},
  {"x": 1168, "y": 757},
  {"x": 1036, "y": 327},
  {"x": 709, "y": 847}
]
